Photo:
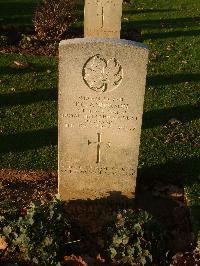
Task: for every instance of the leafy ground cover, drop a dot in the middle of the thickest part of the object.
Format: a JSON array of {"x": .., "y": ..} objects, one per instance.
[
  {"x": 170, "y": 136},
  {"x": 43, "y": 234},
  {"x": 19, "y": 188}
]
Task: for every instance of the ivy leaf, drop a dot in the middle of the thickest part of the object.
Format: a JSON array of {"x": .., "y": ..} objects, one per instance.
[
  {"x": 113, "y": 252},
  {"x": 7, "y": 230}
]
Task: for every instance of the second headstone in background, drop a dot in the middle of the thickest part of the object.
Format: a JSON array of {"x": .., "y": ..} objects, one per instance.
[{"x": 102, "y": 18}]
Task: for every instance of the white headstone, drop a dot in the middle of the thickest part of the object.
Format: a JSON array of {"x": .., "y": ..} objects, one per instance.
[
  {"x": 102, "y": 18},
  {"x": 101, "y": 94}
]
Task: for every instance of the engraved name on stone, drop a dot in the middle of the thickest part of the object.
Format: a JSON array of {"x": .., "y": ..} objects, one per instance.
[
  {"x": 103, "y": 170},
  {"x": 100, "y": 112}
]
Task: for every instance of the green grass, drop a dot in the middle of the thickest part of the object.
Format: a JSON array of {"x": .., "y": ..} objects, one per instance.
[
  {"x": 28, "y": 122},
  {"x": 171, "y": 29},
  {"x": 29, "y": 113},
  {"x": 17, "y": 13}
]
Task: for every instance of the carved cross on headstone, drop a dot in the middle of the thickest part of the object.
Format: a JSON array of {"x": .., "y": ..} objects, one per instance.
[
  {"x": 98, "y": 142},
  {"x": 102, "y": 18}
]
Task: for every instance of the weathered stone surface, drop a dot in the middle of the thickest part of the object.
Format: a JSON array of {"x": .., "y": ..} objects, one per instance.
[
  {"x": 102, "y": 18},
  {"x": 101, "y": 93}
]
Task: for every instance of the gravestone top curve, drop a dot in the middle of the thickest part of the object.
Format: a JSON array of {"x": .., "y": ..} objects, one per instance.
[{"x": 103, "y": 40}]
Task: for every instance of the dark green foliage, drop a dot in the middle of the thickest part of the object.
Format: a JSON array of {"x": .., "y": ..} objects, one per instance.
[
  {"x": 3, "y": 40},
  {"x": 130, "y": 240},
  {"x": 39, "y": 234},
  {"x": 156, "y": 234}
]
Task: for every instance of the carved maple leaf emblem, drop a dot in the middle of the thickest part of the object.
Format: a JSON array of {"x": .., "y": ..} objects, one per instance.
[{"x": 102, "y": 75}]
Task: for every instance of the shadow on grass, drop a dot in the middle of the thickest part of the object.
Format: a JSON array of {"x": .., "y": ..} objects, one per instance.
[
  {"x": 160, "y": 117},
  {"x": 162, "y": 177},
  {"x": 174, "y": 34},
  {"x": 80, "y": 11},
  {"x": 28, "y": 97},
  {"x": 174, "y": 171},
  {"x": 160, "y": 191},
  {"x": 28, "y": 140},
  {"x": 12, "y": 69},
  {"x": 163, "y": 23},
  {"x": 172, "y": 79},
  {"x": 195, "y": 210},
  {"x": 17, "y": 13},
  {"x": 143, "y": 11}
]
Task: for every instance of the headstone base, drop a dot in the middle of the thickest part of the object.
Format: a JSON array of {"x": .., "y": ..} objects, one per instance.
[{"x": 95, "y": 214}]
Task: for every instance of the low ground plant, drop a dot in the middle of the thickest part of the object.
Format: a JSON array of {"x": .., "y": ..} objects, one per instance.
[
  {"x": 3, "y": 40},
  {"x": 38, "y": 235},
  {"x": 42, "y": 234},
  {"x": 134, "y": 238}
]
